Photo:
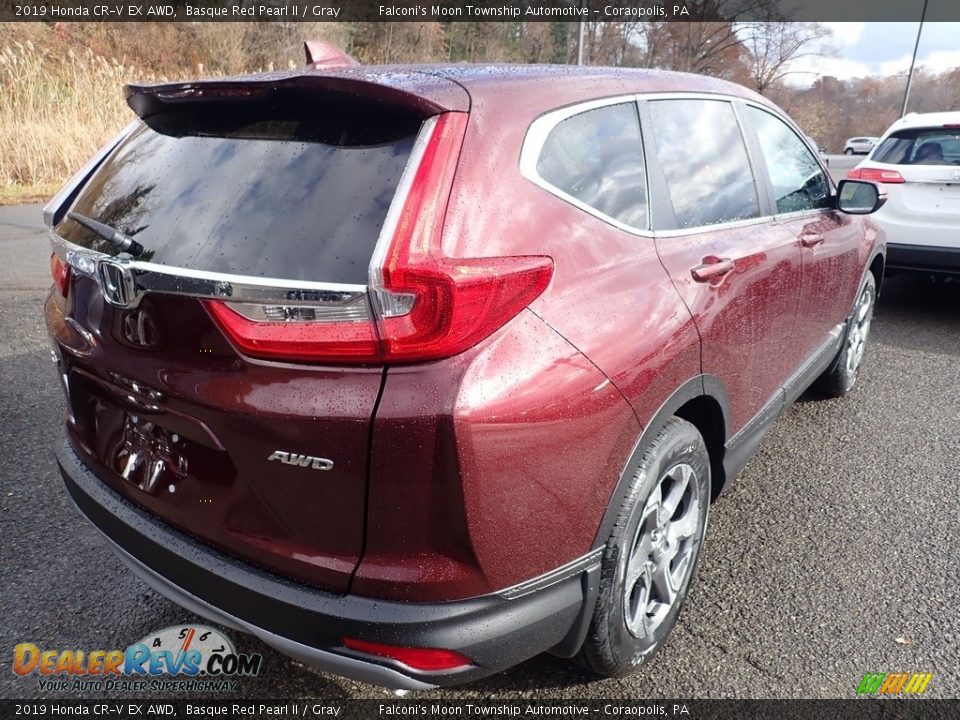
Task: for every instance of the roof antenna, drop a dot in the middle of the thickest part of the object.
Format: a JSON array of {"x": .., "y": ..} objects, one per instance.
[{"x": 324, "y": 55}]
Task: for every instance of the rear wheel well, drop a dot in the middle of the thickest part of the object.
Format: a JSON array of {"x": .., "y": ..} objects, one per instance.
[
  {"x": 876, "y": 267},
  {"x": 705, "y": 413}
]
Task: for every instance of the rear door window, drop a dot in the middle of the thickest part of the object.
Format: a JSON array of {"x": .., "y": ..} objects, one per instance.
[
  {"x": 287, "y": 187},
  {"x": 920, "y": 146},
  {"x": 596, "y": 157},
  {"x": 799, "y": 183},
  {"x": 704, "y": 161}
]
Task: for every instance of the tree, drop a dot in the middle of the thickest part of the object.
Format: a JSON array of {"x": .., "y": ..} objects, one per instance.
[{"x": 774, "y": 47}]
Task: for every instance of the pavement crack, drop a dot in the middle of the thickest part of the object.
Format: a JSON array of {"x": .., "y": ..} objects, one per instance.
[{"x": 766, "y": 671}]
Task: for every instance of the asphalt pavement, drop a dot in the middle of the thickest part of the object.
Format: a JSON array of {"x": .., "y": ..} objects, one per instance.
[{"x": 834, "y": 554}]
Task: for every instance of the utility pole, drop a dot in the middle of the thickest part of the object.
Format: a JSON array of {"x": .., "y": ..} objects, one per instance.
[
  {"x": 913, "y": 61},
  {"x": 580, "y": 42}
]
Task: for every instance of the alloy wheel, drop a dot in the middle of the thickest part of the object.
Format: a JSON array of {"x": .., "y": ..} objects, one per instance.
[
  {"x": 860, "y": 329},
  {"x": 663, "y": 550}
]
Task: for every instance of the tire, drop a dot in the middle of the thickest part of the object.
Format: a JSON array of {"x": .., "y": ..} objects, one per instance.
[
  {"x": 841, "y": 376},
  {"x": 848, "y": 151},
  {"x": 635, "y": 611}
]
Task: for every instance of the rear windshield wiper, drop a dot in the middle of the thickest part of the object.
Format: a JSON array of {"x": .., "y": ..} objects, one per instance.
[{"x": 123, "y": 242}]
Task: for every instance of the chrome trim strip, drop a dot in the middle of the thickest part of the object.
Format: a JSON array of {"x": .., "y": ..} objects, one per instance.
[
  {"x": 680, "y": 95},
  {"x": 711, "y": 228},
  {"x": 801, "y": 214},
  {"x": 148, "y": 277},
  {"x": 574, "y": 567},
  {"x": 533, "y": 144}
]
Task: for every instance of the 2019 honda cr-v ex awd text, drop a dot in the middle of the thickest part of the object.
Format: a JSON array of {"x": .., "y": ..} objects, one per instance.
[{"x": 417, "y": 372}]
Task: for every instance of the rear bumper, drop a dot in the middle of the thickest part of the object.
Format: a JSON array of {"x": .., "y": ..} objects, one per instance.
[
  {"x": 928, "y": 258},
  {"x": 495, "y": 631}
]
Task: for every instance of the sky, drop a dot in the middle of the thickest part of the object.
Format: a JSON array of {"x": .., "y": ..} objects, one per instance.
[{"x": 883, "y": 48}]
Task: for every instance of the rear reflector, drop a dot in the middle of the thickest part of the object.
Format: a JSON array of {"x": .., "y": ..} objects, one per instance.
[
  {"x": 875, "y": 175},
  {"x": 427, "y": 659},
  {"x": 61, "y": 274}
]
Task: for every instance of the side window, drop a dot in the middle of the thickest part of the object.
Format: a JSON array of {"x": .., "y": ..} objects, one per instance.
[
  {"x": 799, "y": 182},
  {"x": 597, "y": 158},
  {"x": 704, "y": 159}
]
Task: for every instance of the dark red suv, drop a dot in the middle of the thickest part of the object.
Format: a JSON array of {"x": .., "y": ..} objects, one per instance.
[{"x": 416, "y": 372}]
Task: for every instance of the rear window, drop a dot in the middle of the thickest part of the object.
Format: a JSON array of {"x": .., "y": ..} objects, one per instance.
[
  {"x": 597, "y": 157},
  {"x": 290, "y": 185},
  {"x": 920, "y": 146}
]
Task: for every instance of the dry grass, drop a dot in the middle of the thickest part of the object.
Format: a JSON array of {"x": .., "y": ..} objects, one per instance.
[
  {"x": 61, "y": 87},
  {"x": 55, "y": 113}
]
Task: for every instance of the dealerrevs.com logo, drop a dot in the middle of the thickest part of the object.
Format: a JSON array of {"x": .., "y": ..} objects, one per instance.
[{"x": 190, "y": 658}]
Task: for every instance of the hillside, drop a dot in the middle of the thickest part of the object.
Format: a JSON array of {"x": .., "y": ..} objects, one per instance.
[{"x": 61, "y": 83}]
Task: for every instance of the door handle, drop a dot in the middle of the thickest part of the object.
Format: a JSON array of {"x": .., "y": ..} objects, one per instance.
[
  {"x": 809, "y": 240},
  {"x": 712, "y": 267}
]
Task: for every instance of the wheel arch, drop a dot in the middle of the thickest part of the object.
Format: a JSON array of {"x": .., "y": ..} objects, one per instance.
[
  {"x": 701, "y": 401},
  {"x": 876, "y": 266},
  {"x": 706, "y": 414}
]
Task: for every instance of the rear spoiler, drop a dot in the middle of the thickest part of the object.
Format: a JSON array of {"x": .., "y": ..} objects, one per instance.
[
  {"x": 320, "y": 54},
  {"x": 425, "y": 93}
]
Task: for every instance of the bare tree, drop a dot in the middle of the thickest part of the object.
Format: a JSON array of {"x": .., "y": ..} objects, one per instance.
[{"x": 774, "y": 47}]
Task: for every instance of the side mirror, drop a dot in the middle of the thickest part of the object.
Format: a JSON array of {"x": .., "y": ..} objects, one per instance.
[{"x": 859, "y": 197}]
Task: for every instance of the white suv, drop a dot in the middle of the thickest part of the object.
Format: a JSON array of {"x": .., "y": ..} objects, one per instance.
[
  {"x": 859, "y": 145},
  {"x": 918, "y": 162}
]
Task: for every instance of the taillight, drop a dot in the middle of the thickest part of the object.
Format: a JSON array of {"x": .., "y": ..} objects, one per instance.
[
  {"x": 431, "y": 306},
  {"x": 457, "y": 303},
  {"x": 426, "y": 659},
  {"x": 61, "y": 274},
  {"x": 875, "y": 175},
  {"x": 427, "y": 306}
]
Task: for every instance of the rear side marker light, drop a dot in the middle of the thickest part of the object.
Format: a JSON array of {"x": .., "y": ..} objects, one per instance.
[
  {"x": 61, "y": 274},
  {"x": 425, "y": 659},
  {"x": 876, "y": 175}
]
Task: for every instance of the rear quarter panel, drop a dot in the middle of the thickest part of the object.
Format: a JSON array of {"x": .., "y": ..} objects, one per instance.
[
  {"x": 610, "y": 296},
  {"x": 543, "y": 415},
  {"x": 491, "y": 467}
]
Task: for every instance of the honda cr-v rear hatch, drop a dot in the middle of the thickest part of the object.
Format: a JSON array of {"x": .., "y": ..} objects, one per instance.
[{"x": 225, "y": 377}]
